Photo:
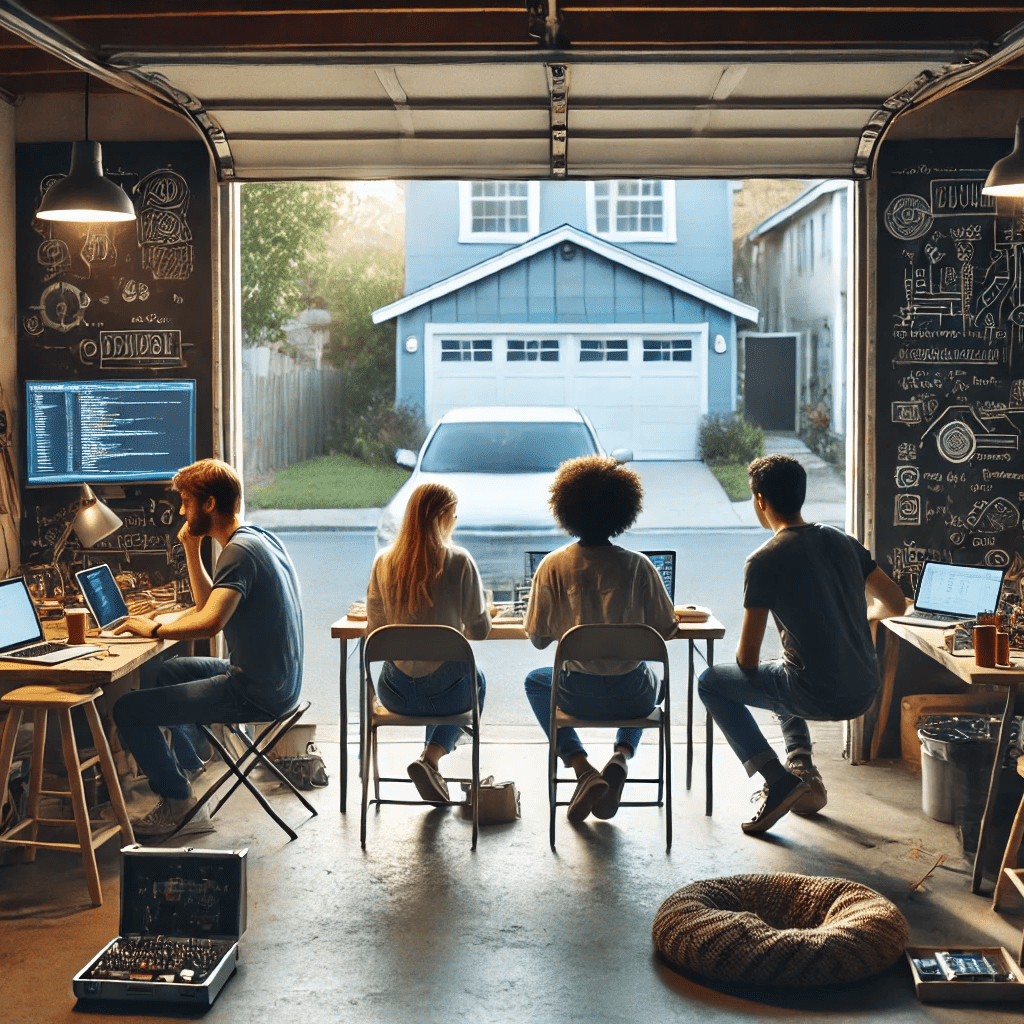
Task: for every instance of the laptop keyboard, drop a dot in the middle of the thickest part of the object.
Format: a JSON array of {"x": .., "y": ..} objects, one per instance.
[
  {"x": 34, "y": 652},
  {"x": 936, "y": 616}
]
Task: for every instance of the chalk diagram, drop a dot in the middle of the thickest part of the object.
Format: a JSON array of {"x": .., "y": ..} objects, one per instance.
[
  {"x": 62, "y": 307},
  {"x": 163, "y": 230},
  {"x": 960, "y": 432}
]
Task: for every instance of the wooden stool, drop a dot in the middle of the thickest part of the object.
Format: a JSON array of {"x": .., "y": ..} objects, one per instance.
[
  {"x": 1005, "y": 881},
  {"x": 41, "y": 700}
]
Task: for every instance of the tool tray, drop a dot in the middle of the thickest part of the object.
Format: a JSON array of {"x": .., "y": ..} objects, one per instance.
[{"x": 182, "y": 914}]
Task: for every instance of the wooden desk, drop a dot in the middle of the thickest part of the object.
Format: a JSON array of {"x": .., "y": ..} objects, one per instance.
[
  {"x": 930, "y": 642},
  {"x": 346, "y": 629}
]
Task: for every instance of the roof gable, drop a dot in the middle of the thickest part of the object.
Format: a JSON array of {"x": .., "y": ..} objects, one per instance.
[
  {"x": 565, "y": 233},
  {"x": 801, "y": 202}
]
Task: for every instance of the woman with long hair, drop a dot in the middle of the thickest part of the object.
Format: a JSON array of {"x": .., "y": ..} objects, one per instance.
[{"x": 423, "y": 578}]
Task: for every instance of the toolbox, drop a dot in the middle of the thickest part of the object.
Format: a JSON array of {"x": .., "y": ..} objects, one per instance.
[{"x": 182, "y": 914}]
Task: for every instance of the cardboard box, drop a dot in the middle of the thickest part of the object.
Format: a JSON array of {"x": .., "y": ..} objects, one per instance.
[
  {"x": 182, "y": 914},
  {"x": 943, "y": 991}
]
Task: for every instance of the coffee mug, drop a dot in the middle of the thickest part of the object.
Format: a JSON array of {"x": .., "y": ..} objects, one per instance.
[
  {"x": 985, "y": 646},
  {"x": 77, "y": 620}
]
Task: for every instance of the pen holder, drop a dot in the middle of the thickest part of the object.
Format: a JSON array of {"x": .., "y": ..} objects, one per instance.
[{"x": 985, "y": 646}]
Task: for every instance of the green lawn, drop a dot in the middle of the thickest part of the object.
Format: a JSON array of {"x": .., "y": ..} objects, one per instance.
[
  {"x": 734, "y": 480},
  {"x": 331, "y": 481}
]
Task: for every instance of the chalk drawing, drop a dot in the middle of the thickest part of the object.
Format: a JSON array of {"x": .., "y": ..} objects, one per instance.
[
  {"x": 62, "y": 307},
  {"x": 163, "y": 230}
]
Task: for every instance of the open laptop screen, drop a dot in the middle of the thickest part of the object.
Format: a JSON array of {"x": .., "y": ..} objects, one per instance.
[
  {"x": 19, "y": 624},
  {"x": 665, "y": 563},
  {"x": 958, "y": 589},
  {"x": 102, "y": 595}
]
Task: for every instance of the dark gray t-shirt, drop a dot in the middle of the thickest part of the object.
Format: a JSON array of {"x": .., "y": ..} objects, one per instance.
[
  {"x": 264, "y": 635},
  {"x": 811, "y": 578}
]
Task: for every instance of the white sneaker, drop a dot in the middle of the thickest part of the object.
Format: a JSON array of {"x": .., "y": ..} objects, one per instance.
[{"x": 163, "y": 819}]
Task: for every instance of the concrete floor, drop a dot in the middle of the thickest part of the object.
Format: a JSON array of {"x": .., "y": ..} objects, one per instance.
[{"x": 418, "y": 928}]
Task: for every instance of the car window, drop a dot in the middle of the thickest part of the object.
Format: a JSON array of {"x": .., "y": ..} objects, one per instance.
[{"x": 505, "y": 447}]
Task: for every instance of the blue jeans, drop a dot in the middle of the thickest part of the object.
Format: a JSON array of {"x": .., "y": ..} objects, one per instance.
[
  {"x": 185, "y": 691},
  {"x": 445, "y": 691},
  {"x": 728, "y": 690},
  {"x": 631, "y": 695}
]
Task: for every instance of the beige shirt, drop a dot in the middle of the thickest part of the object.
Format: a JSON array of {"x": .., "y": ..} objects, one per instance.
[
  {"x": 458, "y": 597},
  {"x": 576, "y": 586}
]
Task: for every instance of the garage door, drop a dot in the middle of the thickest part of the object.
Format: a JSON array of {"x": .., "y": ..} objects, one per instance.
[{"x": 643, "y": 386}]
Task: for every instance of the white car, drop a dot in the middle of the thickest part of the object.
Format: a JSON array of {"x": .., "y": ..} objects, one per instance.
[{"x": 500, "y": 461}]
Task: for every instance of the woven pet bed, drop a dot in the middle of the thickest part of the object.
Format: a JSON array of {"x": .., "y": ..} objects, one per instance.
[{"x": 781, "y": 929}]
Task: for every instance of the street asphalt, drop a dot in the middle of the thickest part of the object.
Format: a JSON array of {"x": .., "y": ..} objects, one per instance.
[{"x": 677, "y": 496}]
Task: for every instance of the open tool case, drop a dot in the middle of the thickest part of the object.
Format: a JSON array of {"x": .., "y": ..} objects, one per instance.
[{"x": 182, "y": 914}]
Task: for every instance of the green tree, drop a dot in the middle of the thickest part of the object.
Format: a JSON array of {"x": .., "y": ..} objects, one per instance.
[{"x": 283, "y": 241}]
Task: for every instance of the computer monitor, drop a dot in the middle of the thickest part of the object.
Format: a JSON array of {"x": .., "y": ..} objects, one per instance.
[
  {"x": 108, "y": 431},
  {"x": 533, "y": 559}
]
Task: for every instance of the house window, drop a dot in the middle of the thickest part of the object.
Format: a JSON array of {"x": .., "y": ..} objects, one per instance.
[
  {"x": 498, "y": 211},
  {"x": 633, "y": 210},
  {"x": 604, "y": 350},
  {"x": 668, "y": 350},
  {"x": 531, "y": 350},
  {"x": 466, "y": 350}
]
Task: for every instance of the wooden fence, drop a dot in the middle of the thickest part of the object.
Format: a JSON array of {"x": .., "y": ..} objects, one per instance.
[{"x": 287, "y": 417}]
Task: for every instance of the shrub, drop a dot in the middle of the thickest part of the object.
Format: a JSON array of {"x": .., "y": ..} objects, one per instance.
[
  {"x": 727, "y": 439},
  {"x": 377, "y": 430}
]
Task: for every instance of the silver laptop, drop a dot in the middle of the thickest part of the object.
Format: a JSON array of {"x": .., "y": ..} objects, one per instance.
[
  {"x": 102, "y": 596},
  {"x": 947, "y": 594},
  {"x": 21, "y": 632}
]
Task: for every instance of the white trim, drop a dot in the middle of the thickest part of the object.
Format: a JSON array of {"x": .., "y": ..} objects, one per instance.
[
  {"x": 432, "y": 332},
  {"x": 566, "y": 233},
  {"x": 668, "y": 213},
  {"x": 798, "y": 204},
  {"x": 466, "y": 235}
]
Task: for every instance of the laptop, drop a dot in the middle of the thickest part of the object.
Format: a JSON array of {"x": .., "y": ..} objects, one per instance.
[
  {"x": 102, "y": 596},
  {"x": 21, "y": 633},
  {"x": 948, "y": 594},
  {"x": 665, "y": 563}
]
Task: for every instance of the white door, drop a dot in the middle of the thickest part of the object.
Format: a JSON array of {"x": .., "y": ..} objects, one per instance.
[{"x": 644, "y": 386}]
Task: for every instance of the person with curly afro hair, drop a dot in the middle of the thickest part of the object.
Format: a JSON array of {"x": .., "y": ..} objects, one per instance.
[{"x": 594, "y": 499}]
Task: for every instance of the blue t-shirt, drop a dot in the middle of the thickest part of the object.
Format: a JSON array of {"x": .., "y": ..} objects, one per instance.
[
  {"x": 264, "y": 635},
  {"x": 811, "y": 578}
]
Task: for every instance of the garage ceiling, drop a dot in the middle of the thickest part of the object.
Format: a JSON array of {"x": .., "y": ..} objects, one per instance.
[{"x": 320, "y": 90}]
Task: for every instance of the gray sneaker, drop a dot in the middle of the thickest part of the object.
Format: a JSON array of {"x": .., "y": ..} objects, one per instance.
[
  {"x": 813, "y": 801},
  {"x": 163, "y": 819}
]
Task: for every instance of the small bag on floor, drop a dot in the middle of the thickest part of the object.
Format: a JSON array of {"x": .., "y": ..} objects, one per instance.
[
  {"x": 499, "y": 802},
  {"x": 306, "y": 771}
]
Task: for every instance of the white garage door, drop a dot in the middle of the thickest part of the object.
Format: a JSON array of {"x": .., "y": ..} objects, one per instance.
[{"x": 644, "y": 386}]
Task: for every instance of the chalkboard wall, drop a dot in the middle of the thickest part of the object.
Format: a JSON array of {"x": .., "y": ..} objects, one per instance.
[
  {"x": 125, "y": 301},
  {"x": 950, "y": 362}
]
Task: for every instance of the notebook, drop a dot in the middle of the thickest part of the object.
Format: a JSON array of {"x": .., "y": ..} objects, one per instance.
[
  {"x": 947, "y": 594},
  {"x": 103, "y": 596},
  {"x": 21, "y": 633}
]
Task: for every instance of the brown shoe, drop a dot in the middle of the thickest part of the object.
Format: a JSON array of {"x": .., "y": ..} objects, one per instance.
[
  {"x": 590, "y": 788},
  {"x": 429, "y": 782},
  {"x": 815, "y": 800}
]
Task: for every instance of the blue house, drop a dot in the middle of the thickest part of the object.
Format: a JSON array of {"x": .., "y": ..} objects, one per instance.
[{"x": 612, "y": 296}]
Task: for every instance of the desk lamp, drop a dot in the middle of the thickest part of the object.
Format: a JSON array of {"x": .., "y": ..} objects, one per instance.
[{"x": 91, "y": 520}]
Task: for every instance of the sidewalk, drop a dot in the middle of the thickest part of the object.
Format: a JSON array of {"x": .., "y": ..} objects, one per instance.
[{"x": 677, "y": 496}]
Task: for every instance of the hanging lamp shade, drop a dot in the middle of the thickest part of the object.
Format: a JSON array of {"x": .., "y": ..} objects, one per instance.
[
  {"x": 85, "y": 195},
  {"x": 1007, "y": 175}
]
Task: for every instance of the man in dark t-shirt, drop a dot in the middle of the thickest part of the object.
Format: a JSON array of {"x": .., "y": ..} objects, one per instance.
[
  {"x": 254, "y": 598},
  {"x": 817, "y": 583}
]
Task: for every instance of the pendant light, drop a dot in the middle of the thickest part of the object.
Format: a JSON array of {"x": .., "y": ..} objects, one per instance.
[
  {"x": 85, "y": 195},
  {"x": 1006, "y": 179}
]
